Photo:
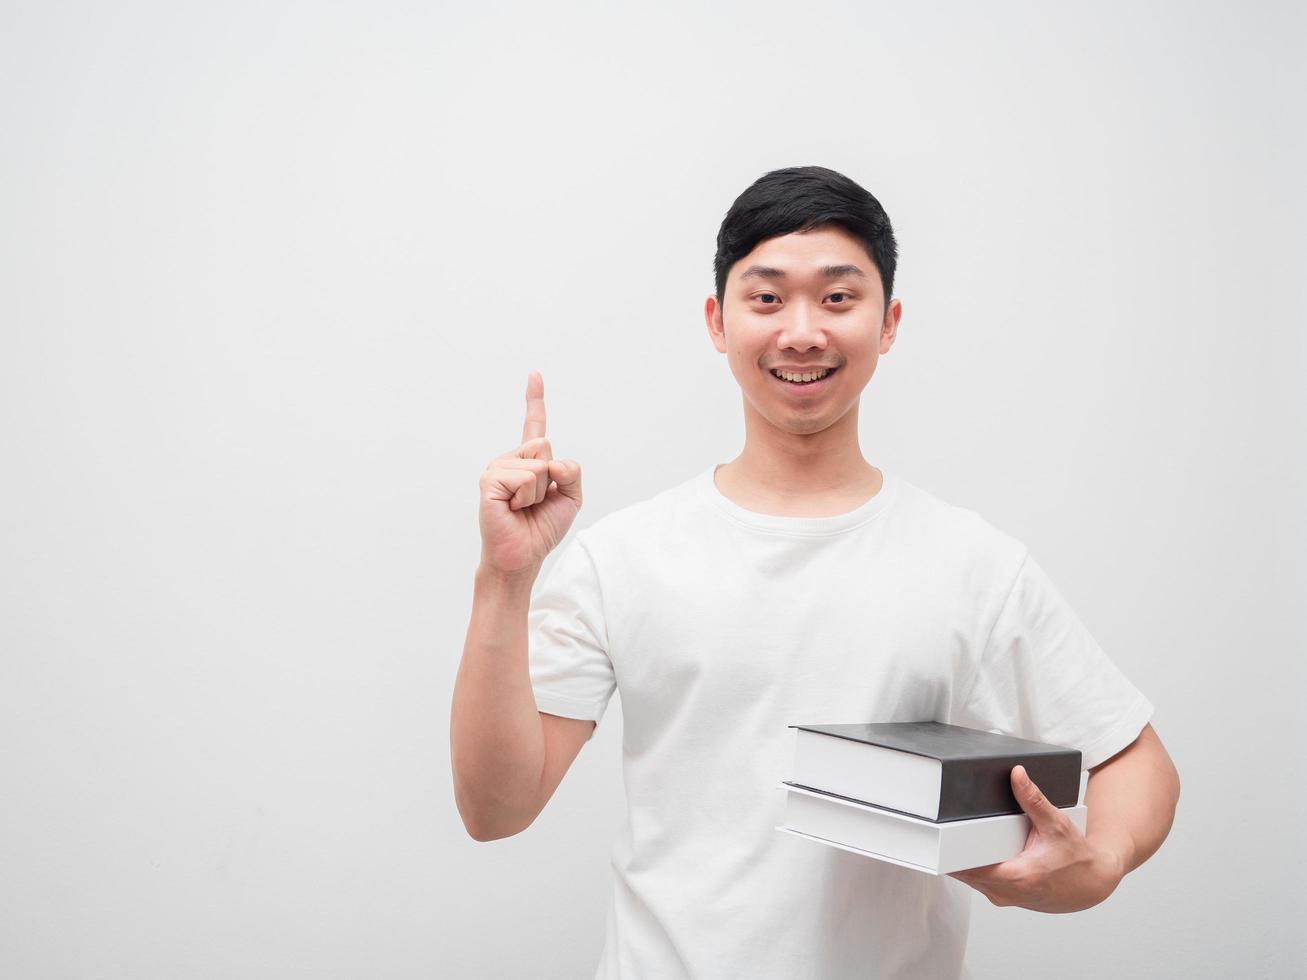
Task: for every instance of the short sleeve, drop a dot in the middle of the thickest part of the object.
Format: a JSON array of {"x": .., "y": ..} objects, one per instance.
[
  {"x": 567, "y": 639},
  {"x": 1043, "y": 676}
]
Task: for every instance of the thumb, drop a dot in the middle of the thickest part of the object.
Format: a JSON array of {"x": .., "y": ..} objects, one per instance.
[
  {"x": 1043, "y": 814},
  {"x": 567, "y": 474}
]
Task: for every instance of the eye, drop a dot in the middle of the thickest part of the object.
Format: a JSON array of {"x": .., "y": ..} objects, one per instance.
[
  {"x": 763, "y": 296},
  {"x": 846, "y": 295}
]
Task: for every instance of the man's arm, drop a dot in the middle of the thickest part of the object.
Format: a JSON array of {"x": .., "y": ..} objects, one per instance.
[
  {"x": 507, "y": 759},
  {"x": 1131, "y": 800},
  {"x": 496, "y": 738}
]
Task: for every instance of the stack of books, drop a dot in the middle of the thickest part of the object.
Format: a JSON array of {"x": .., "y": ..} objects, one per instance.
[{"x": 924, "y": 795}]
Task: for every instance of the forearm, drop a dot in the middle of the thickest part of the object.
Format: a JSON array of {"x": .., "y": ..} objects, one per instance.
[
  {"x": 497, "y": 745},
  {"x": 1131, "y": 801}
]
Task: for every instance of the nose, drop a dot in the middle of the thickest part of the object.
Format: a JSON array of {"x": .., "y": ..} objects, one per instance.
[{"x": 801, "y": 330}]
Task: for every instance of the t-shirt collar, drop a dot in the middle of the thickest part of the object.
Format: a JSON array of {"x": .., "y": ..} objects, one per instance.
[{"x": 809, "y": 526}]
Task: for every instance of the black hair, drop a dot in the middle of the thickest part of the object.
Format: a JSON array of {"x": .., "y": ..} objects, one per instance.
[{"x": 798, "y": 199}]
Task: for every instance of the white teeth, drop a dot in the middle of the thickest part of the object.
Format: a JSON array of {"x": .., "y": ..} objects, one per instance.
[{"x": 811, "y": 376}]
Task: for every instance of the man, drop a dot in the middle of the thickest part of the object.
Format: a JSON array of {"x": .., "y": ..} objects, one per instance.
[{"x": 796, "y": 584}]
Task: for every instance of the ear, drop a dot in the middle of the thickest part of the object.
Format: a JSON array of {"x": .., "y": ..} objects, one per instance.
[
  {"x": 712, "y": 314},
  {"x": 889, "y": 330}
]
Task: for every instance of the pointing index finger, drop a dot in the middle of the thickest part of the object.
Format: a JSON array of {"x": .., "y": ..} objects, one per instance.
[{"x": 534, "y": 427}]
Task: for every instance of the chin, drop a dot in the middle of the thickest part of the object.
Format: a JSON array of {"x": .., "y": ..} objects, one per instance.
[{"x": 801, "y": 425}]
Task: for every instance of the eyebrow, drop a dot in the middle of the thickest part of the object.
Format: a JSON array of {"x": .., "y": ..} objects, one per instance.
[{"x": 826, "y": 272}]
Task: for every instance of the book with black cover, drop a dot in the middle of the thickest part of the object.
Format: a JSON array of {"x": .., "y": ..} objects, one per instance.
[{"x": 929, "y": 769}]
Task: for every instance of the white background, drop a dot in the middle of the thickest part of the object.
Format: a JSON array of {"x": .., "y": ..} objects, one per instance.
[{"x": 273, "y": 276}]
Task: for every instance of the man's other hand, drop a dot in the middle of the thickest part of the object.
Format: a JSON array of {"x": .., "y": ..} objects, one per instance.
[{"x": 1059, "y": 870}]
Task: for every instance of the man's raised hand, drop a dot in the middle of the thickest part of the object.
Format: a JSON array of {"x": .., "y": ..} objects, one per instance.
[{"x": 528, "y": 498}]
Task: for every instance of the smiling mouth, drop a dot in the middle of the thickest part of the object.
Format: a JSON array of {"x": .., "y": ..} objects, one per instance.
[{"x": 802, "y": 384}]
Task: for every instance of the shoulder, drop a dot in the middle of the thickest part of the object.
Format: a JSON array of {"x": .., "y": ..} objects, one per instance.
[{"x": 957, "y": 536}]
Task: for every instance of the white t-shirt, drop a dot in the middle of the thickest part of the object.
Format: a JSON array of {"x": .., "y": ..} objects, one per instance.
[{"x": 721, "y": 627}]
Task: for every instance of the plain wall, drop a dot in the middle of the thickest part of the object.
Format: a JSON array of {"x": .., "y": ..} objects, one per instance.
[{"x": 273, "y": 277}]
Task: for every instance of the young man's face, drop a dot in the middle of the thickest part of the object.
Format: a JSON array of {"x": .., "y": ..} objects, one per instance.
[{"x": 806, "y": 301}]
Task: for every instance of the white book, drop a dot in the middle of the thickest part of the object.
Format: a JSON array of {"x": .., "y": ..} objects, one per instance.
[{"x": 911, "y": 842}]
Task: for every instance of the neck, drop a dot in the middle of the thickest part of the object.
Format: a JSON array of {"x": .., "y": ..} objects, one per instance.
[{"x": 784, "y": 465}]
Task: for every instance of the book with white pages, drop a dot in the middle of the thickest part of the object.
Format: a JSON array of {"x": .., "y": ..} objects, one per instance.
[
  {"x": 930, "y": 846},
  {"x": 931, "y": 770}
]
